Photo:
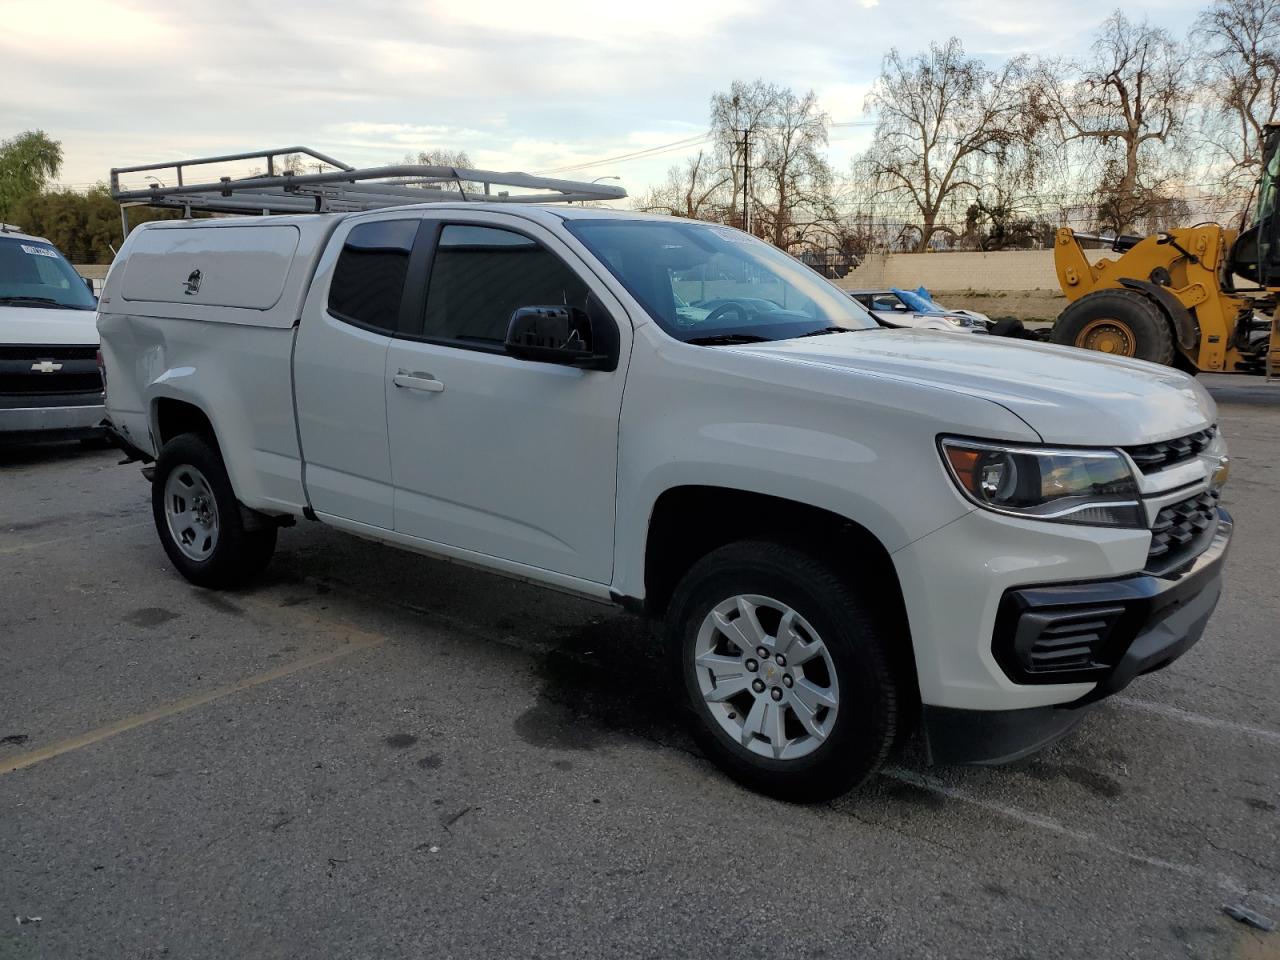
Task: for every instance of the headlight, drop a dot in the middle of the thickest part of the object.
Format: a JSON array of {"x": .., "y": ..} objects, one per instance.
[
  {"x": 956, "y": 321},
  {"x": 1093, "y": 487}
]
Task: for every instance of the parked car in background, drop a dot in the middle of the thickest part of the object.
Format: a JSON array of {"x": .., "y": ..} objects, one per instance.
[
  {"x": 50, "y": 384},
  {"x": 901, "y": 308}
]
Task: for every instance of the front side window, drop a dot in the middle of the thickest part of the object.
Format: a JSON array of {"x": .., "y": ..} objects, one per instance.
[
  {"x": 481, "y": 275},
  {"x": 34, "y": 274},
  {"x": 705, "y": 283},
  {"x": 368, "y": 281}
]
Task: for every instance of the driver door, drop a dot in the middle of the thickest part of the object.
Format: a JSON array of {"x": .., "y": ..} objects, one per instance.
[{"x": 503, "y": 457}]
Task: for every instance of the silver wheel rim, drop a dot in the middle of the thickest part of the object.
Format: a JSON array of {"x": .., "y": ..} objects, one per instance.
[
  {"x": 766, "y": 677},
  {"x": 191, "y": 511}
]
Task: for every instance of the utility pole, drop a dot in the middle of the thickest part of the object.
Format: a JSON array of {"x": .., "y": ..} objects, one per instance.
[{"x": 746, "y": 180}]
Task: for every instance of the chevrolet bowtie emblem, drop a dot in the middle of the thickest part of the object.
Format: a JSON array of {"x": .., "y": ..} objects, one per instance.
[{"x": 46, "y": 366}]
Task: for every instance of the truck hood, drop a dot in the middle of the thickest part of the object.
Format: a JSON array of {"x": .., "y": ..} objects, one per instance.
[
  {"x": 1065, "y": 394},
  {"x": 48, "y": 326}
]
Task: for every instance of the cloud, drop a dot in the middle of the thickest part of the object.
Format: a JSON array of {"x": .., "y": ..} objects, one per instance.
[{"x": 519, "y": 85}]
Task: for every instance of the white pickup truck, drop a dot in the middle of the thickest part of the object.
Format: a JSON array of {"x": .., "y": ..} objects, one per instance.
[{"x": 847, "y": 530}]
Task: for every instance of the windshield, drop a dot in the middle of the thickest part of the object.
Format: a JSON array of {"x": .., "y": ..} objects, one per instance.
[
  {"x": 34, "y": 274},
  {"x": 705, "y": 283}
]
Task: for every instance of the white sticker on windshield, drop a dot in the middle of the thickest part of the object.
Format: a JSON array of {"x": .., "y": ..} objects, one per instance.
[
  {"x": 733, "y": 236},
  {"x": 40, "y": 251}
]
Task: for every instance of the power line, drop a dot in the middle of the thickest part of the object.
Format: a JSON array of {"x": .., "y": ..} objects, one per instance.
[
  {"x": 635, "y": 155},
  {"x": 688, "y": 142}
]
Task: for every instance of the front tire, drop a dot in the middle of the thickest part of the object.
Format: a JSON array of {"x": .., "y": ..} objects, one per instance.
[
  {"x": 1120, "y": 322},
  {"x": 199, "y": 519},
  {"x": 785, "y": 669}
]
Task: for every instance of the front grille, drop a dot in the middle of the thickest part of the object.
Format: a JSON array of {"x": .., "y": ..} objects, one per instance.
[
  {"x": 1067, "y": 640},
  {"x": 1152, "y": 457},
  {"x": 24, "y": 371},
  {"x": 34, "y": 354},
  {"x": 1181, "y": 529}
]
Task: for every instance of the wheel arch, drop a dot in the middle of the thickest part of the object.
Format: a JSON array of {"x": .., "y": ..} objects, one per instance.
[
  {"x": 688, "y": 522},
  {"x": 171, "y": 416},
  {"x": 1186, "y": 330}
]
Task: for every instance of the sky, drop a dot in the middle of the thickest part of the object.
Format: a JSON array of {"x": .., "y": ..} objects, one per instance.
[{"x": 572, "y": 87}]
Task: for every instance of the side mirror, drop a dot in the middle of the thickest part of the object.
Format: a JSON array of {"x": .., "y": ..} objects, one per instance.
[{"x": 570, "y": 336}]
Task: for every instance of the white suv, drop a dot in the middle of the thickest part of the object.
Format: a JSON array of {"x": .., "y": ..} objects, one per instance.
[
  {"x": 49, "y": 380},
  {"x": 846, "y": 529}
]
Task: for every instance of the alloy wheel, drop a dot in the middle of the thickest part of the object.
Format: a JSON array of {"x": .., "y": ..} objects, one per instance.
[{"x": 766, "y": 677}]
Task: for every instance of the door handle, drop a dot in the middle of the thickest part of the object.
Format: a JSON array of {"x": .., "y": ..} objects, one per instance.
[{"x": 418, "y": 381}]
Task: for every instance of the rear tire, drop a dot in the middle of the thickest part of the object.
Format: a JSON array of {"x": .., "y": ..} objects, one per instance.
[
  {"x": 751, "y": 714},
  {"x": 1119, "y": 322},
  {"x": 199, "y": 519}
]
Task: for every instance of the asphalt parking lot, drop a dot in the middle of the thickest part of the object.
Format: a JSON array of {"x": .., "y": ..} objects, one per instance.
[{"x": 371, "y": 754}]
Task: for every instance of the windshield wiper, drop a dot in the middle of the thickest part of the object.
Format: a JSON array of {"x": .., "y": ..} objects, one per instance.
[
  {"x": 725, "y": 339},
  {"x": 35, "y": 302},
  {"x": 825, "y": 330}
]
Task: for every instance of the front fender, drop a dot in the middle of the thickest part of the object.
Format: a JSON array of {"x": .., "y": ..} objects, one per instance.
[{"x": 861, "y": 447}]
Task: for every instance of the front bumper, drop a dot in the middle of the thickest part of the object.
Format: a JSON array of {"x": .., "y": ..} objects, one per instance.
[
  {"x": 39, "y": 417},
  {"x": 1154, "y": 620}
]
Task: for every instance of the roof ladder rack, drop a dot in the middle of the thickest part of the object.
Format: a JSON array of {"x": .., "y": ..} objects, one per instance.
[{"x": 343, "y": 189}]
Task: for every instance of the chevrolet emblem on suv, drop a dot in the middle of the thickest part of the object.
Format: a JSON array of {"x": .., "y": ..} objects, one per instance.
[{"x": 46, "y": 366}]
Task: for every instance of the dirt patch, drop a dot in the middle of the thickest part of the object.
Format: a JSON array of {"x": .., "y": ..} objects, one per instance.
[{"x": 1029, "y": 306}]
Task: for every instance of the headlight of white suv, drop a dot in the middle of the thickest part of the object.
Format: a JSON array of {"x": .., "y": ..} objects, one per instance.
[{"x": 1094, "y": 487}]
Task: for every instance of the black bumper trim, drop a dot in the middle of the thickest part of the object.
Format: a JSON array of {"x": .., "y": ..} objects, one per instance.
[
  {"x": 993, "y": 737},
  {"x": 1162, "y": 616},
  {"x": 1165, "y": 617}
]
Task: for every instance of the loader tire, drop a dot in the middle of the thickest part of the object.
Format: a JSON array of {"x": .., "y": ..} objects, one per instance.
[{"x": 1123, "y": 323}]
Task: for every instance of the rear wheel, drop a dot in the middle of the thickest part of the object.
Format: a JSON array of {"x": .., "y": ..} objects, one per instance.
[
  {"x": 199, "y": 520},
  {"x": 1120, "y": 322},
  {"x": 785, "y": 671}
]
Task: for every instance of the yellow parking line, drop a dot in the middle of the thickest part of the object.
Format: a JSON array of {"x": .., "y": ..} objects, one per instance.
[{"x": 365, "y": 642}]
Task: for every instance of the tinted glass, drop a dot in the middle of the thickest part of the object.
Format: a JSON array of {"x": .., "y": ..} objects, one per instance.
[
  {"x": 35, "y": 274},
  {"x": 708, "y": 283},
  {"x": 480, "y": 275},
  {"x": 368, "y": 282}
]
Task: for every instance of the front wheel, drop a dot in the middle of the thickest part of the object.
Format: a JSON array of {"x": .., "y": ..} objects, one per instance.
[
  {"x": 785, "y": 669},
  {"x": 199, "y": 520},
  {"x": 1120, "y": 322}
]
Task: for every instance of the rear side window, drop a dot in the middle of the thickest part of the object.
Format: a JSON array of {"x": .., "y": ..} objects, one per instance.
[
  {"x": 480, "y": 275},
  {"x": 368, "y": 282}
]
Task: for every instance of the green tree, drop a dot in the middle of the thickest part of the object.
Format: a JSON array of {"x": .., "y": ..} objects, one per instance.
[
  {"x": 27, "y": 163},
  {"x": 84, "y": 226}
]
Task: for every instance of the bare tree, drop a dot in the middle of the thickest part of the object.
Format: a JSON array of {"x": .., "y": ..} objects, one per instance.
[
  {"x": 942, "y": 120},
  {"x": 1001, "y": 217},
  {"x": 1239, "y": 59},
  {"x": 766, "y": 171},
  {"x": 438, "y": 157},
  {"x": 1128, "y": 100},
  {"x": 737, "y": 121},
  {"x": 695, "y": 190},
  {"x": 791, "y": 189}
]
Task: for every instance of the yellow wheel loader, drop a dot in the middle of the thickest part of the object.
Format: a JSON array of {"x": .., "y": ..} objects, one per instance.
[{"x": 1172, "y": 297}]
